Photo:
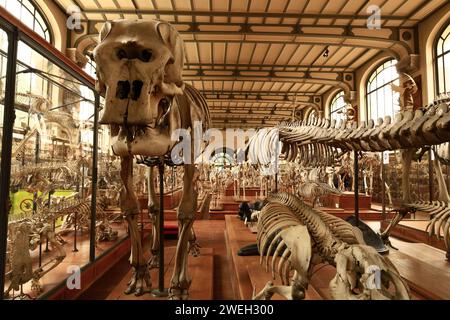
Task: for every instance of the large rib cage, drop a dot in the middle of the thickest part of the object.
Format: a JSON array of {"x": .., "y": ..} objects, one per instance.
[{"x": 328, "y": 233}]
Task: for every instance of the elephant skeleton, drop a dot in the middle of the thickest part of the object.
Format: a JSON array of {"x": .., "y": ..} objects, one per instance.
[
  {"x": 299, "y": 237},
  {"x": 139, "y": 69}
]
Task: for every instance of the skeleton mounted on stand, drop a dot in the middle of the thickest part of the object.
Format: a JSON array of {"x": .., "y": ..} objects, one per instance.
[{"x": 139, "y": 69}]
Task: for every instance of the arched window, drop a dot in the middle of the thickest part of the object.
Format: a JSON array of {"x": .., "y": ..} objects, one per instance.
[
  {"x": 443, "y": 61},
  {"x": 338, "y": 107},
  {"x": 380, "y": 99},
  {"x": 222, "y": 158},
  {"x": 28, "y": 13}
]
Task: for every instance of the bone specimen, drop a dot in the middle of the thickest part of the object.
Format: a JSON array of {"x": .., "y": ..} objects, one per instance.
[
  {"x": 25, "y": 236},
  {"x": 321, "y": 142},
  {"x": 299, "y": 237},
  {"x": 139, "y": 67}
]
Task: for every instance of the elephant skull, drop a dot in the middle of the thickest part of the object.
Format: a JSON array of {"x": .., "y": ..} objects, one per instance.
[{"x": 139, "y": 66}]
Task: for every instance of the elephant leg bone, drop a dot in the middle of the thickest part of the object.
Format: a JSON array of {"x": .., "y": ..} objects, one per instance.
[
  {"x": 180, "y": 282},
  {"x": 153, "y": 211},
  {"x": 140, "y": 280}
]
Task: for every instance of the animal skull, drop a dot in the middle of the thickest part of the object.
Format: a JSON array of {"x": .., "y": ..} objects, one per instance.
[
  {"x": 355, "y": 277},
  {"x": 139, "y": 66}
]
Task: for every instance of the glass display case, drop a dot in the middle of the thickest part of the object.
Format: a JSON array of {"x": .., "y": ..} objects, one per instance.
[{"x": 60, "y": 184}]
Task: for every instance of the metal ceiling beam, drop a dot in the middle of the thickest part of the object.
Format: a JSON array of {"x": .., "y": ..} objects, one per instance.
[
  {"x": 229, "y": 94},
  {"x": 198, "y": 13},
  {"x": 251, "y": 116},
  {"x": 261, "y": 100},
  {"x": 284, "y": 79},
  {"x": 258, "y": 111},
  {"x": 239, "y": 72},
  {"x": 253, "y": 106},
  {"x": 346, "y": 31},
  {"x": 316, "y": 42}
]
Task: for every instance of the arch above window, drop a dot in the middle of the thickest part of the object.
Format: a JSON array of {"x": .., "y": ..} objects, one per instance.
[
  {"x": 442, "y": 61},
  {"x": 338, "y": 106},
  {"x": 30, "y": 15},
  {"x": 381, "y": 100}
]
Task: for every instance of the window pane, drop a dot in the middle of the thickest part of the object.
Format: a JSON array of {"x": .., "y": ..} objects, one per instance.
[
  {"x": 443, "y": 62},
  {"x": 28, "y": 15},
  {"x": 3, "y": 63},
  {"x": 337, "y": 108},
  {"x": 381, "y": 100},
  {"x": 446, "y": 86}
]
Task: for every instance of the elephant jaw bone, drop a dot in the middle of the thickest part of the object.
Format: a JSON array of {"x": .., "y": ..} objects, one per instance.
[{"x": 146, "y": 141}]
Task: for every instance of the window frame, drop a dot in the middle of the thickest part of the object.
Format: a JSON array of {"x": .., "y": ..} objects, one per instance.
[
  {"x": 436, "y": 56},
  {"x": 36, "y": 11},
  {"x": 336, "y": 96},
  {"x": 376, "y": 72}
]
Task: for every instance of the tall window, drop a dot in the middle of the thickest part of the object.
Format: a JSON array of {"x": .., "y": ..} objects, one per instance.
[
  {"x": 380, "y": 99},
  {"x": 443, "y": 61},
  {"x": 338, "y": 107},
  {"x": 27, "y": 82},
  {"x": 28, "y": 14}
]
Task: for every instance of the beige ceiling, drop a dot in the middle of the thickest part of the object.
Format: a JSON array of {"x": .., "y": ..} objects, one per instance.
[{"x": 257, "y": 60}]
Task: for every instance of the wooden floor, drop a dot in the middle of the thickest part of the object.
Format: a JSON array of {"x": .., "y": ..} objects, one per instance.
[
  {"x": 415, "y": 231},
  {"x": 211, "y": 263},
  {"x": 423, "y": 266},
  {"x": 235, "y": 277}
]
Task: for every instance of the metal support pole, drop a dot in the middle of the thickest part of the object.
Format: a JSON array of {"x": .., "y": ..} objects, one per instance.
[
  {"x": 92, "y": 234},
  {"x": 48, "y": 205},
  {"x": 430, "y": 174},
  {"x": 276, "y": 181},
  {"x": 173, "y": 185},
  {"x": 40, "y": 253},
  {"x": 75, "y": 233},
  {"x": 356, "y": 184},
  {"x": 383, "y": 188},
  {"x": 161, "y": 291},
  {"x": 82, "y": 181},
  {"x": 276, "y": 167}
]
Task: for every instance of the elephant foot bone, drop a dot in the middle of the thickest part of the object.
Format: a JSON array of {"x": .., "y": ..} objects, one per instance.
[
  {"x": 140, "y": 282},
  {"x": 153, "y": 262},
  {"x": 178, "y": 293},
  {"x": 194, "y": 248}
]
